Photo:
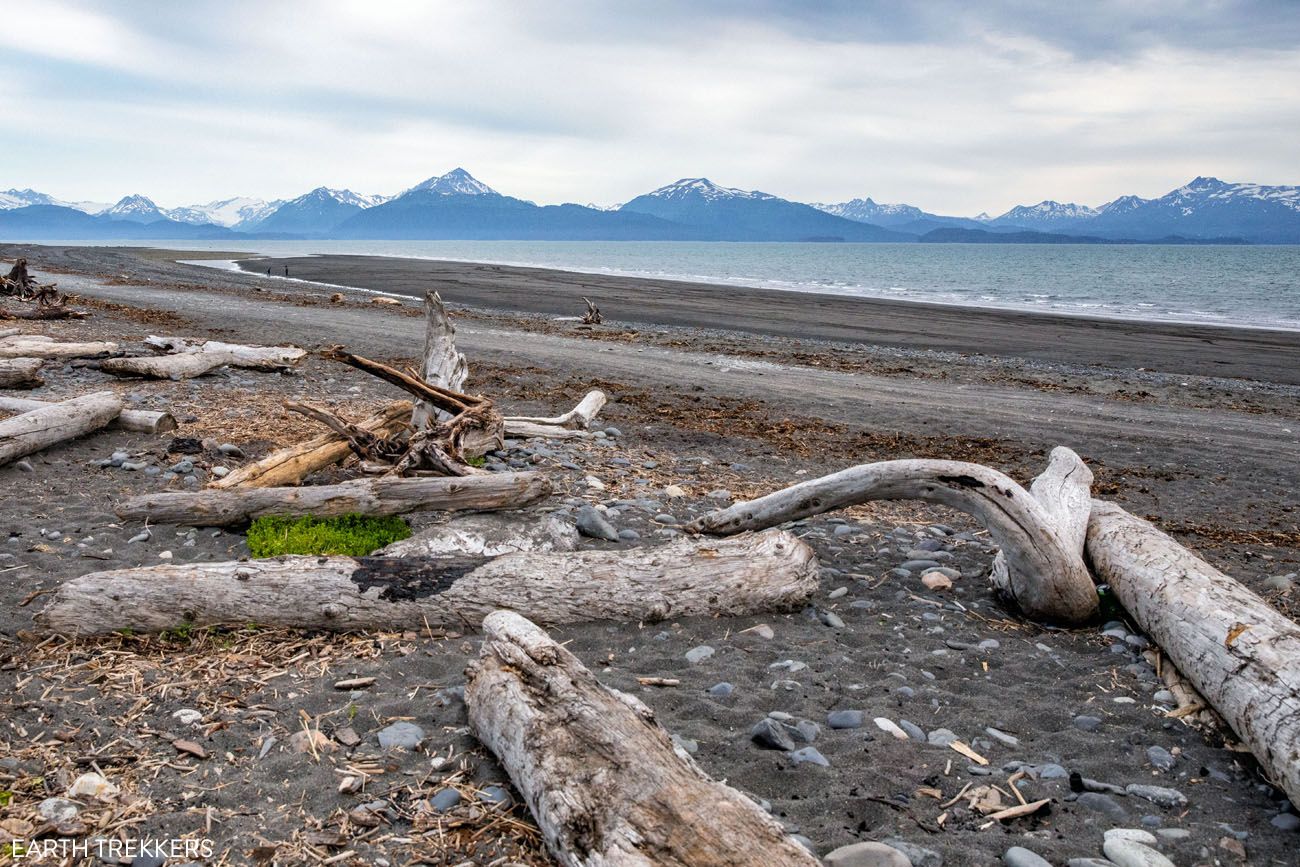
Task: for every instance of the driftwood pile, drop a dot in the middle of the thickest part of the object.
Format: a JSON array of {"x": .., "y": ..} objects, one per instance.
[{"x": 49, "y": 302}]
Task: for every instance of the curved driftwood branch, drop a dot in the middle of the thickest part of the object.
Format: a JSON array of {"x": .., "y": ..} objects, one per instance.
[
  {"x": 1064, "y": 490},
  {"x": 136, "y": 420},
  {"x": 1046, "y": 573},
  {"x": 384, "y": 496},
  {"x": 1240, "y": 652},
  {"x": 688, "y": 577},
  {"x": 578, "y": 418},
  {"x": 443, "y": 365},
  {"x": 603, "y": 779},
  {"x": 56, "y": 423}
]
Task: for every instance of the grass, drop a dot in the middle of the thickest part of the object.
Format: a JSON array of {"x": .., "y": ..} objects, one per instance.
[{"x": 345, "y": 535}]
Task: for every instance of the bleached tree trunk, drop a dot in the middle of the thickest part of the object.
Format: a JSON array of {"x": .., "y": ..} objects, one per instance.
[
  {"x": 383, "y": 496},
  {"x": 35, "y": 346},
  {"x": 444, "y": 365},
  {"x": 488, "y": 535},
  {"x": 135, "y": 420},
  {"x": 527, "y": 430},
  {"x": 685, "y": 578},
  {"x": 254, "y": 357},
  {"x": 41, "y": 428},
  {"x": 20, "y": 373},
  {"x": 578, "y": 418},
  {"x": 289, "y": 466},
  {"x": 602, "y": 778},
  {"x": 1064, "y": 490},
  {"x": 9, "y": 332},
  {"x": 1240, "y": 652},
  {"x": 1046, "y": 573}
]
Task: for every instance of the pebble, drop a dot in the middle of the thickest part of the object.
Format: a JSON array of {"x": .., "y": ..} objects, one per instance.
[
  {"x": 1160, "y": 758},
  {"x": 1285, "y": 822},
  {"x": 1129, "y": 853},
  {"x": 845, "y": 719},
  {"x": 1158, "y": 795},
  {"x": 1019, "y": 856},
  {"x": 721, "y": 690},
  {"x": 1002, "y": 737},
  {"x": 919, "y": 856},
  {"x": 936, "y": 581},
  {"x": 831, "y": 619},
  {"x": 941, "y": 737},
  {"x": 403, "y": 735},
  {"x": 92, "y": 785},
  {"x": 913, "y": 730},
  {"x": 1137, "y": 835},
  {"x": 592, "y": 524},
  {"x": 230, "y": 450},
  {"x": 1100, "y": 803},
  {"x": 444, "y": 800},
  {"x": 919, "y": 565},
  {"x": 24, "y": 466},
  {"x": 57, "y": 810},
  {"x": 1086, "y": 723},
  {"x": 809, "y": 756},
  {"x": 866, "y": 855},
  {"x": 495, "y": 795},
  {"x": 187, "y": 716},
  {"x": 771, "y": 735},
  {"x": 696, "y": 655}
]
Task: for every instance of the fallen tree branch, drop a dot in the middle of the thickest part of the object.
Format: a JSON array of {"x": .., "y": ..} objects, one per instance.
[
  {"x": 602, "y": 778},
  {"x": 20, "y": 373},
  {"x": 384, "y": 496},
  {"x": 688, "y": 577},
  {"x": 1239, "y": 652},
  {"x": 136, "y": 420},
  {"x": 269, "y": 358},
  {"x": 578, "y": 418},
  {"x": 41, "y": 428},
  {"x": 37, "y": 346},
  {"x": 1046, "y": 573}
]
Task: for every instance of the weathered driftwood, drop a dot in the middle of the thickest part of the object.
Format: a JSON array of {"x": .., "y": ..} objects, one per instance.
[
  {"x": 252, "y": 357},
  {"x": 175, "y": 367},
  {"x": 592, "y": 316},
  {"x": 37, "y": 346},
  {"x": 289, "y": 466},
  {"x": 602, "y": 778},
  {"x": 577, "y": 419},
  {"x": 20, "y": 373},
  {"x": 739, "y": 576},
  {"x": 527, "y": 430},
  {"x": 9, "y": 332},
  {"x": 1046, "y": 573},
  {"x": 1240, "y": 652},
  {"x": 444, "y": 365},
  {"x": 488, "y": 535},
  {"x": 136, "y": 420},
  {"x": 1064, "y": 490},
  {"x": 384, "y": 496},
  {"x": 56, "y": 423},
  {"x": 44, "y": 310}
]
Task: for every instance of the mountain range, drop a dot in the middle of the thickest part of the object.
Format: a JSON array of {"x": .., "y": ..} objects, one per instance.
[{"x": 456, "y": 205}]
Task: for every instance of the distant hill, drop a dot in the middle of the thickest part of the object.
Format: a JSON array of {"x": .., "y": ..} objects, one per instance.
[
  {"x": 314, "y": 213},
  {"x": 725, "y": 214},
  {"x": 952, "y": 235},
  {"x": 135, "y": 209},
  {"x": 55, "y": 222},
  {"x": 902, "y": 218}
]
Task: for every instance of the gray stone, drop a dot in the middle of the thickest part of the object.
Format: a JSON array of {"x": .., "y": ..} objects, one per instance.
[
  {"x": 1158, "y": 795},
  {"x": 1164, "y": 696},
  {"x": 592, "y": 524},
  {"x": 809, "y": 756},
  {"x": 914, "y": 731},
  {"x": 866, "y": 855},
  {"x": 831, "y": 619},
  {"x": 941, "y": 737},
  {"x": 1019, "y": 856},
  {"x": 230, "y": 450},
  {"x": 1285, "y": 822},
  {"x": 57, "y": 810},
  {"x": 495, "y": 795},
  {"x": 444, "y": 800},
  {"x": 24, "y": 466},
  {"x": 1160, "y": 758},
  {"x": 1137, "y": 835},
  {"x": 1128, "y": 853},
  {"x": 1002, "y": 737},
  {"x": 919, "y": 565},
  {"x": 1104, "y": 804},
  {"x": 1089, "y": 862},
  {"x": 401, "y": 735},
  {"x": 1086, "y": 723},
  {"x": 769, "y": 734},
  {"x": 721, "y": 690},
  {"x": 627, "y": 534},
  {"x": 697, "y": 655},
  {"x": 919, "y": 856},
  {"x": 845, "y": 719},
  {"x": 805, "y": 732}
]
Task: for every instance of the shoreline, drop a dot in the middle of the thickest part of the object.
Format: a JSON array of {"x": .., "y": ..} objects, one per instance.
[{"x": 1203, "y": 349}]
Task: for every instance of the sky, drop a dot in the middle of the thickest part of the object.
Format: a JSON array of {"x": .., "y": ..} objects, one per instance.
[{"x": 955, "y": 107}]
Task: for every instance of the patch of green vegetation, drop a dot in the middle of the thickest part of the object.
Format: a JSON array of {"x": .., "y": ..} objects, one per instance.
[
  {"x": 182, "y": 634},
  {"x": 6, "y": 798},
  {"x": 479, "y": 461},
  {"x": 346, "y": 535}
]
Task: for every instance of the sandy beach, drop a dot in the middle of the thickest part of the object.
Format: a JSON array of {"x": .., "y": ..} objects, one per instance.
[{"x": 727, "y": 393}]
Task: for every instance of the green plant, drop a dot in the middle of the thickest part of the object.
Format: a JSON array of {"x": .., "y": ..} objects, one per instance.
[
  {"x": 476, "y": 461},
  {"x": 347, "y": 535}
]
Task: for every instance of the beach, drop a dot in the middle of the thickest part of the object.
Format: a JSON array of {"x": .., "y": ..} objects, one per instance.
[{"x": 726, "y": 392}]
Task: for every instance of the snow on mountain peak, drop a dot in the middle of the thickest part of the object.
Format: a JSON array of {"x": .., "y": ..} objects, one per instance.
[
  {"x": 705, "y": 189},
  {"x": 136, "y": 208},
  {"x": 456, "y": 182}
]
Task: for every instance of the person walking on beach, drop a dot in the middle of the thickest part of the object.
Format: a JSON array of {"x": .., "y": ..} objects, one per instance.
[{"x": 286, "y": 270}]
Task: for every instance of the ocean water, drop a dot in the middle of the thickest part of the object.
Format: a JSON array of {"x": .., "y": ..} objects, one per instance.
[{"x": 1252, "y": 286}]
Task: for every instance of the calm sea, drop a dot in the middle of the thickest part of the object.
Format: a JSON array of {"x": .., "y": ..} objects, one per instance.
[{"x": 1254, "y": 286}]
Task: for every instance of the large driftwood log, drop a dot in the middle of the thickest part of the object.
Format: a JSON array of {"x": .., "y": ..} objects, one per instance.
[
  {"x": 739, "y": 576},
  {"x": 56, "y": 423},
  {"x": 289, "y": 466},
  {"x": 252, "y": 357},
  {"x": 573, "y": 423},
  {"x": 9, "y": 332},
  {"x": 443, "y": 365},
  {"x": 1064, "y": 490},
  {"x": 37, "y": 346},
  {"x": 1240, "y": 652},
  {"x": 384, "y": 496},
  {"x": 20, "y": 373},
  {"x": 135, "y": 420},
  {"x": 1046, "y": 573},
  {"x": 490, "y": 534},
  {"x": 602, "y": 778}
]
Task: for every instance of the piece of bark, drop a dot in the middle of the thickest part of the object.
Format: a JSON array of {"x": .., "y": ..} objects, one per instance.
[
  {"x": 289, "y": 466},
  {"x": 1047, "y": 576},
  {"x": 36, "y": 346},
  {"x": 384, "y": 496},
  {"x": 1240, "y": 653},
  {"x": 488, "y": 535},
  {"x": 41, "y": 428},
  {"x": 135, "y": 420},
  {"x": 20, "y": 373},
  {"x": 741, "y": 576},
  {"x": 578, "y": 418},
  {"x": 602, "y": 778},
  {"x": 444, "y": 365}
]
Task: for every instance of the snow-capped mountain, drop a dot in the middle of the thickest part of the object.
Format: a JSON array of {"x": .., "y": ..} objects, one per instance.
[
  {"x": 1207, "y": 208},
  {"x": 10, "y": 199},
  {"x": 456, "y": 182},
  {"x": 702, "y": 189},
  {"x": 1122, "y": 205},
  {"x": 136, "y": 209},
  {"x": 1046, "y": 214},
  {"x": 226, "y": 212},
  {"x": 314, "y": 213},
  {"x": 868, "y": 211}
]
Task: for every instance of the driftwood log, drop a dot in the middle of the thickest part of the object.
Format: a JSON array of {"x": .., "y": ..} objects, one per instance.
[
  {"x": 9, "y": 332},
  {"x": 135, "y": 420},
  {"x": 1240, "y": 652},
  {"x": 444, "y": 365},
  {"x": 490, "y": 534},
  {"x": 739, "y": 576},
  {"x": 190, "y": 358},
  {"x": 1046, "y": 574},
  {"x": 592, "y": 316},
  {"x": 602, "y": 778},
  {"x": 383, "y": 496},
  {"x": 41, "y": 428},
  {"x": 573, "y": 423},
  {"x": 20, "y": 373},
  {"x": 289, "y": 466},
  {"x": 37, "y": 346}
]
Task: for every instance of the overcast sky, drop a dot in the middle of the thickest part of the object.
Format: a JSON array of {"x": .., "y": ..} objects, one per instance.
[{"x": 957, "y": 107}]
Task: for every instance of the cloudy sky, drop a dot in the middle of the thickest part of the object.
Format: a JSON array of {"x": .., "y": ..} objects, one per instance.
[{"x": 956, "y": 107}]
